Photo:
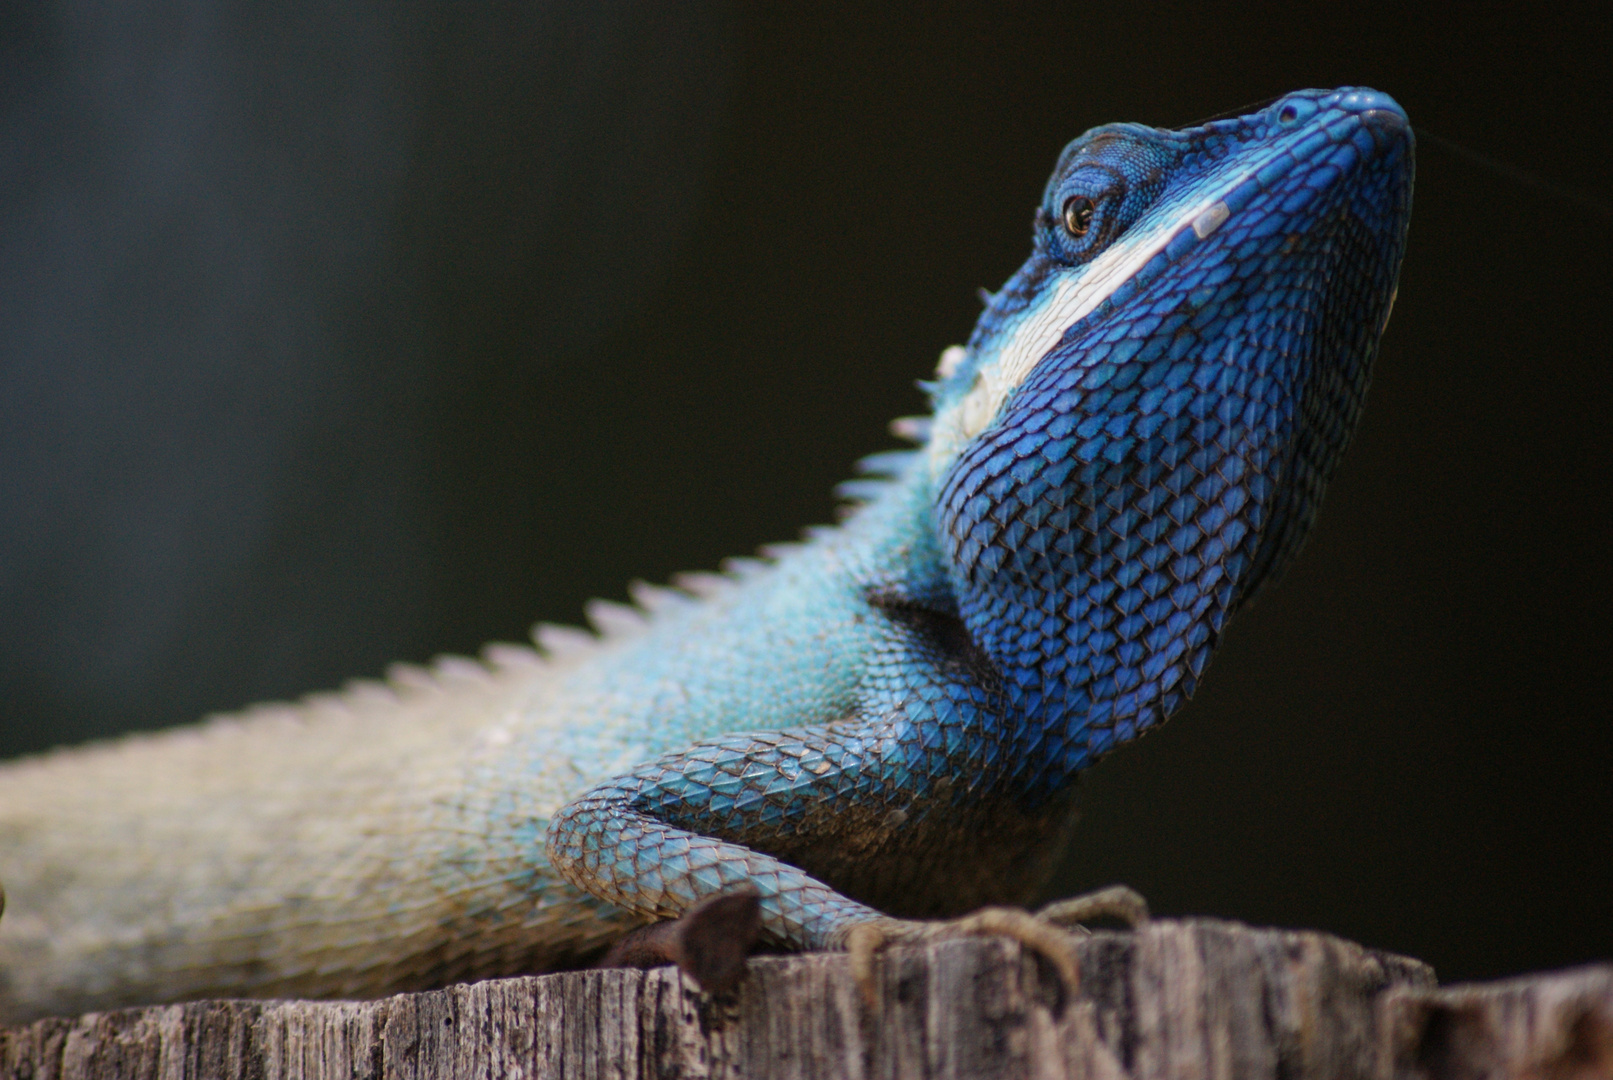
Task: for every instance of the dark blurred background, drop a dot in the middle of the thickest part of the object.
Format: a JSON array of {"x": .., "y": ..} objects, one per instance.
[{"x": 339, "y": 333}]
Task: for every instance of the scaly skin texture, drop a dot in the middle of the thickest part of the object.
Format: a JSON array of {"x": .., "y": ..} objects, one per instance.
[{"x": 887, "y": 718}]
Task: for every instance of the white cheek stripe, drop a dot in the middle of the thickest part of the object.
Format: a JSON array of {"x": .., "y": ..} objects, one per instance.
[
  {"x": 1074, "y": 298},
  {"x": 1209, "y": 221}
]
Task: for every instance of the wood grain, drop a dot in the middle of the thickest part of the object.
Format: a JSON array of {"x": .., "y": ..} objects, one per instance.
[{"x": 1177, "y": 999}]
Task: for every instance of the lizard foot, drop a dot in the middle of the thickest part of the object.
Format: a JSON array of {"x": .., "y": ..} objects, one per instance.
[
  {"x": 1114, "y": 902},
  {"x": 709, "y": 941},
  {"x": 1047, "y": 931}
]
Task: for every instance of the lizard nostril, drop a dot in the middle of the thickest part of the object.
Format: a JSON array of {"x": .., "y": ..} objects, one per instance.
[{"x": 1287, "y": 115}]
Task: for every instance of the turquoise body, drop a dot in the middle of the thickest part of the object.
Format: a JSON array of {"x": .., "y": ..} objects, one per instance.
[
  {"x": 885, "y": 720},
  {"x": 1134, "y": 439}
]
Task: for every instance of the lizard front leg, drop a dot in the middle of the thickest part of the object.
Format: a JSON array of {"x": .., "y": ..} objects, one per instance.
[
  {"x": 916, "y": 807},
  {"x": 696, "y": 824}
]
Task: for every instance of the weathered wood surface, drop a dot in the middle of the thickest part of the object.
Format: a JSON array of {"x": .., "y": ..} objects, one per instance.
[
  {"x": 1544, "y": 1027},
  {"x": 1177, "y": 999}
]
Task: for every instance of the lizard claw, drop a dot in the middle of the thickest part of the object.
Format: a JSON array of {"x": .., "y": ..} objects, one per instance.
[
  {"x": 1114, "y": 902},
  {"x": 867, "y": 939},
  {"x": 1047, "y": 931}
]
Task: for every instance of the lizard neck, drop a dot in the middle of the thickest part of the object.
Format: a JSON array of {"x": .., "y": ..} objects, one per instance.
[
  {"x": 1101, "y": 564},
  {"x": 1130, "y": 446}
]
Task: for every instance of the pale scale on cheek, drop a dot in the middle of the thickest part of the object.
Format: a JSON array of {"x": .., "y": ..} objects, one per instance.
[{"x": 1077, "y": 293}]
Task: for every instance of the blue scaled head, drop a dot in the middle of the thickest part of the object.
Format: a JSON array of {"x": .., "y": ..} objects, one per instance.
[{"x": 1139, "y": 430}]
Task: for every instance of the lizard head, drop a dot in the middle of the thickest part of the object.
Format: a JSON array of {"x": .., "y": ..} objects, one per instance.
[{"x": 1139, "y": 428}]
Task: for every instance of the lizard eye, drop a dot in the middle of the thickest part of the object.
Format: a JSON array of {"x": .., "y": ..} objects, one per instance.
[{"x": 1078, "y": 210}]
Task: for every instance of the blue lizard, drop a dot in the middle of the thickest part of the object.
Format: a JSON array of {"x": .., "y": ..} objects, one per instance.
[{"x": 880, "y": 724}]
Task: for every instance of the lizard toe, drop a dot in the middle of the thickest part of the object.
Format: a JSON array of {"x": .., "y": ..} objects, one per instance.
[
  {"x": 1049, "y": 939},
  {"x": 1118, "y": 902}
]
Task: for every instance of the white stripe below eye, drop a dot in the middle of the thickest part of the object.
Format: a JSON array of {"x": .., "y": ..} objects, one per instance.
[{"x": 1076, "y": 295}]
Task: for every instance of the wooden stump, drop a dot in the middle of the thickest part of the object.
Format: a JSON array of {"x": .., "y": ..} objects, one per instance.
[
  {"x": 1544, "y": 1027},
  {"x": 1177, "y": 999}
]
